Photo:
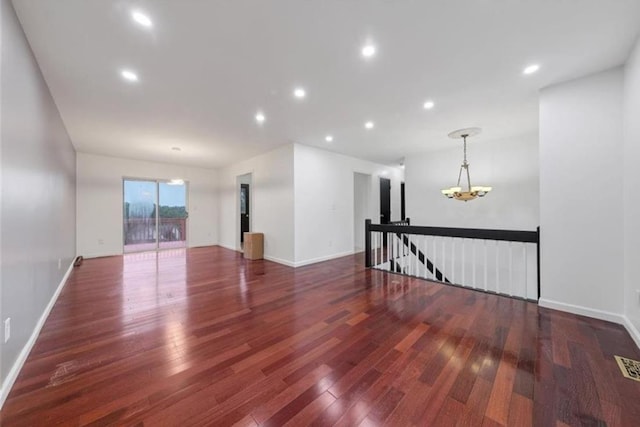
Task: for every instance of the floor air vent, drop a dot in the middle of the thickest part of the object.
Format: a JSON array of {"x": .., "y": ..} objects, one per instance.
[{"x": 630, "y": 368}]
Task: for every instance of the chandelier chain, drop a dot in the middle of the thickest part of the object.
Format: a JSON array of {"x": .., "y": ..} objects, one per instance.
[{"x": 464, "y": 139}]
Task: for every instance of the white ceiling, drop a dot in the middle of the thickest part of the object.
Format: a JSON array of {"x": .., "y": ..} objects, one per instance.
[{"x": 207, "y": 67}]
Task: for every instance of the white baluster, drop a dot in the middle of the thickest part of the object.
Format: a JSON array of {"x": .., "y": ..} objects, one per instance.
[
  {"x": 424, "y": 252},
  {"x": 373, "y": 244},
  {"x": 444, "y": 259},
  {"x": 526, "y": 276},
  {"x": 473, "y": 263},
  {"x": 453, "y": 260},
  {"x": 485, "y": 265},
  {"x": 464, "y": 266},
  {"x": 510, "y": 268},
  {"x": 426, "y": 256},
  {"x": 388, "y": 237},
  {"x": 378, "y": 249},
  {"x": 416, "y": 269},
  {"x": 497, "y": 268}
]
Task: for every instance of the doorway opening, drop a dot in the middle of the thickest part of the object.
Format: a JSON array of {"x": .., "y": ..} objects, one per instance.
[
  {"x": 403, "y": 209},
  {"x": 385, "y": 200},
  {"x": 154, "y": 215},
  {"x": 361, "y": 208},
  {"x": 385, "y": 205},
  {"x": 244, "y": 206}
]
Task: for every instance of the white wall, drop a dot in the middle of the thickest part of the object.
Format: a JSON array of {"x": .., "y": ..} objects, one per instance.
[
  {"x": 324, "y": 201},
  {"x": 100, "y": 198},
  {"x": 581, "y": 193},
  {"x": 631, "y": 182},
  {"x": 363, "y": 209},
  {"x": 509, "y": 166},
  {"x": 37, "y": 197},
  {"x": 272, "y": 202}
]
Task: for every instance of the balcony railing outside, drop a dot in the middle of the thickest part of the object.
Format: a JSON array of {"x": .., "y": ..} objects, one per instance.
[{"x": 143, "y": 230}]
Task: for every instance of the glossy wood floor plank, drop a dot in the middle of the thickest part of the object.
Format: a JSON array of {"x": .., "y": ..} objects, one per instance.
[{"x": 199, "y": 337}]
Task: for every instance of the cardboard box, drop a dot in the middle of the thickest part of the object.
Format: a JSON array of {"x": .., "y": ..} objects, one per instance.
[{"x": 253, "y": 245}]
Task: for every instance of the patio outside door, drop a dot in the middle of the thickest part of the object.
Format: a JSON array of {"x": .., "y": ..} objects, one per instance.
[{"x": 154, "y": 215}]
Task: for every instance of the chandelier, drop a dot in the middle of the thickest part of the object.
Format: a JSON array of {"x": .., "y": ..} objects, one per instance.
[{"x": 470, "y": 192}]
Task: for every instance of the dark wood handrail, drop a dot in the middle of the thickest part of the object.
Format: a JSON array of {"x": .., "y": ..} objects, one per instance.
[{"x": 466, "y": 233}]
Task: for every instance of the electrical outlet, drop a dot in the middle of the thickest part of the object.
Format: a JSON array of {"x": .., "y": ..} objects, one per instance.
[
  {"x": 7, "y": 329},
  {"x": 59, "y": 263},
  {"x": 100, "y": 241}
]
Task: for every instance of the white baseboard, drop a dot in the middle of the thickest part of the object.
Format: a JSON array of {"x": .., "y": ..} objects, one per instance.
[
  {"x": 583, "y": 311},
  {"x": 228, "y": 247},
  {"x": 101, "y": 255},
  {"x": 279, "y": 261},
  {"x": 22, "y": 357},
  {"x": 267, "y": 257},
  {"x": 295, "y": 264},
  {"x": 321, "y": 259},
  {"x": 633, "y": 331},
  {"x": 597, "y": 314},
  {"x": 202, "y": 245}
]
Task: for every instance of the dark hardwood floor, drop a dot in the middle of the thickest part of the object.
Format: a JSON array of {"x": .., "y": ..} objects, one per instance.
[{"x": 203, "y": 337}]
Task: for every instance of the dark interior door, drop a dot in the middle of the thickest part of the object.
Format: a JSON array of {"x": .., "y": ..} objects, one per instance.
[
  {"x": 403, "y": 212},
  {"x": 385, "y": 200},
  {"x": 244, "y": 210}
]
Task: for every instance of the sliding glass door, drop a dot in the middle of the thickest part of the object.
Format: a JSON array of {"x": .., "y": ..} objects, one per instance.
[
  {"x": 155, "y": 215},
  {"x": 172, "y": 216}
]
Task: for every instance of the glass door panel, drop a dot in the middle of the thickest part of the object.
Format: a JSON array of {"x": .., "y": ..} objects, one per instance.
[
  {"x": 140, "y": 231},
  {"x": 172, "y": 216}
]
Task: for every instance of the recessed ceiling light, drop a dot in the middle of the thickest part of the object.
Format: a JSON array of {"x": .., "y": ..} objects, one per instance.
[
  {"x": 141, "y": 18},
  {"x": 129, "y": 75},
  {"x": 299, "y": 93},
  {"x": 260, "y": 118},
  {"x": 368, "y": 51},
  {"x": 428, "y": 105},
  {"x": 176, "y": 148},
  {"x": 369, "y": 125},
  {"x": 328, "y": 138},
  {"x": 531, "y": 69}
]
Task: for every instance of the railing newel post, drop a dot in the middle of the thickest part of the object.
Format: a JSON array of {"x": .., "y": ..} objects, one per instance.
[
  {"x": 538, "y": 260},
  {"x": 367, "y": 243}
]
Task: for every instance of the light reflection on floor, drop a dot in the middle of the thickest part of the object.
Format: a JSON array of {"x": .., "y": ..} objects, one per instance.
[{"x": 154, "y": 285}]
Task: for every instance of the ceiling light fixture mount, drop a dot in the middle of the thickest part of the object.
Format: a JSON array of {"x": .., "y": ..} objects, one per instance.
[
  {"x": 129, "y": 75},
  {"x": 260, "y": 118},
  {"x": 368, "y": 51},
  {"x": 428, "y": 105},
  {"x": 299, "y": 93},
  {"x": 369, "y": 125},
  {"x": 141, "y": 18},
  {"x": 328, "y": 138},
  {"x": 471, "y": 192},
  {"x": 531, "y": 69}
]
